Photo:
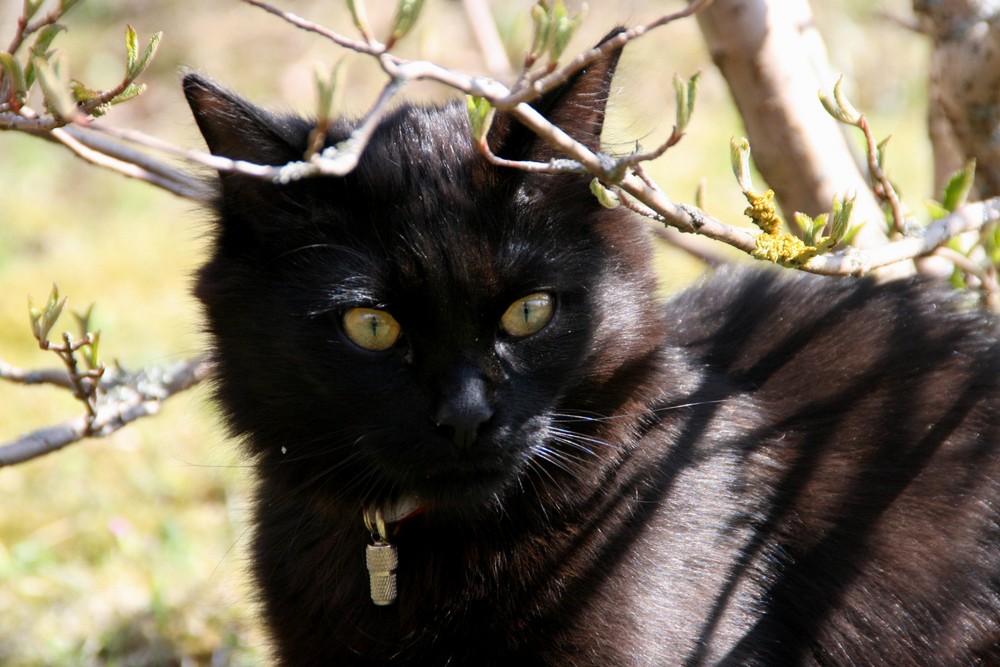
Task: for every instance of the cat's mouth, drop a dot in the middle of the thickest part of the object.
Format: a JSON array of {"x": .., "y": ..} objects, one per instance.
[{"x": 461, "y": 488}]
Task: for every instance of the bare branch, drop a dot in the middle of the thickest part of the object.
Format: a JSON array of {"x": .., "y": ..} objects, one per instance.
[
  {"x": 52, "y": 376},
  {"x": 126, "y": 398}
]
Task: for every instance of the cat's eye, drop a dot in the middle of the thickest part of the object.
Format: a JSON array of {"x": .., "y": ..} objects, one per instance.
[
  {"x": 528, "y": 314},
  {"x": 371, "y": 329}
]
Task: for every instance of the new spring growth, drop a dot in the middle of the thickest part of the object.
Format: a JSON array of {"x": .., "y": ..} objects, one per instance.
[
  {"x": 553, "y": 27},
  {"x": 328, "y": 88},
  {"x": 43, "y": 319},
  {"x": 685, "y": 93},
  {"x": 839, "y": 107},
  {"x": 481, "y": 114},
  {"x": 773, "y": 244},
  {"x": 956, "y": 190},
  {"x": 360, "y": 18},
  {"x": 607, "y": 197},
  {"x": 407, "y": 13}
]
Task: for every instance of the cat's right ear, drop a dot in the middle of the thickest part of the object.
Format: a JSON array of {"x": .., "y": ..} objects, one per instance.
[
  {"x": 577, "y": 108},
  {"x": 238, "y": 130}
]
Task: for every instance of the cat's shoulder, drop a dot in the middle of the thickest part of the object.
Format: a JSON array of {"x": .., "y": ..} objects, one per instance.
[{"x": 740, "y": 315}]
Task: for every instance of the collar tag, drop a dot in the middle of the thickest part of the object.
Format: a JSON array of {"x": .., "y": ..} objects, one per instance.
[{"x": 382, "y": 557}]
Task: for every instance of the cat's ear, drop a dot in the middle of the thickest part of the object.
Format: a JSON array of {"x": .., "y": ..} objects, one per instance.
[
  {"x": 577, "y": 108},
  {"x": 238, "y": 130}
]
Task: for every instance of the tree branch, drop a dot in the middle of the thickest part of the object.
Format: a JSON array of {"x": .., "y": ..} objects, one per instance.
[{"x": 125, "y": 397}]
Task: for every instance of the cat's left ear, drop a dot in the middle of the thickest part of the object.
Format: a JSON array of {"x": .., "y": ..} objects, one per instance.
[
  {"x": 577, "y": 108},
  {"x": 238, "y": 130}
]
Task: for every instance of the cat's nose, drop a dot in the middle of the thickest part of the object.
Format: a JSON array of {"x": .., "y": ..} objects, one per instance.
[{"x": 464, "y": 407}]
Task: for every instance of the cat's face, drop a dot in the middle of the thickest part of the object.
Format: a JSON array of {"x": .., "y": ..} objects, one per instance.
[{"x": 428, "y": 325}]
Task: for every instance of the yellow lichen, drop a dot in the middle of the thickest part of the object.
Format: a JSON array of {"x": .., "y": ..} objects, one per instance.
[
  {"x": 783, "y": 248},
  {"x": 773, "y": 244},
  {"x": 761, "y": 211}
]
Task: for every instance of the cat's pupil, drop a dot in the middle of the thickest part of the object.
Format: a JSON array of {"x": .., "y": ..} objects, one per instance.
[
  {"x": 371, "y": 329},
  {"x": 528, "y": 315}
]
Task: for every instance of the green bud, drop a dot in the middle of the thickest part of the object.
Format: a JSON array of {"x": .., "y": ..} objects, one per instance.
[
  {"x": 359, "y": 16},
  {"x": 739, "y": 157},
  {"x": 840, "y": 108},
  {"x": 842, "y": 231},
  {"x": 480, "y": 116},
  {"x": 607, "y": 197},
  {"x": 407, "y": 13}
]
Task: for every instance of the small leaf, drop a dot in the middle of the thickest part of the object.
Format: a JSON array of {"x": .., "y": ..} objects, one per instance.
[
  {"x": 44, "y": 39},
  {"x": 56, "y": 92},
  {"x": 359, "y": 16},
  {"x": 81, "y": 93},
  {"x": 31, "y": 8},
  {"x": 842, "y": 218},
  {"x": 407, "y": 13},
  {"x": 83, "y": 320},
  {"x": 607, "y": 197},
  {"x": 131, "y": 51},
  {"x": 14, "y": 74},
  {"x": 480, "y": 116},
  {"x": 541, "y": 18},
  {"x": 956, "y": 190},
  {"x": 936, "y": 209},
  {"x": 66, "y": 5},
  {"x": 701, "y": 194},
  {"x": 36, "y": 318},
  {"x": 685, "y": 94},
  {"x": 49, "y": 315},
  {"x": 328, "y": 89},
  {"x": 90, "y": 351},
  {"x": 564, "y": 27},
  {"x": 131, "y": 90},
  {"x": 811, "y": 229},
  {"x": 880, "y": 150},
  {"x": 147, "y": 54},
  {"x": 53, "y": 300},
  {"x": 840, "y": 108},
  {"x": 739, "y": 156}
]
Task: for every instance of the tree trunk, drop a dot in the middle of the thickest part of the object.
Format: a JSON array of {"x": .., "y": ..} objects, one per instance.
[{"x": 964, "y": 88}]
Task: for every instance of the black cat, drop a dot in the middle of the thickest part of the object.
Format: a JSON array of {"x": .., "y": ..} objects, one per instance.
[{"x": 466, "y": 368}]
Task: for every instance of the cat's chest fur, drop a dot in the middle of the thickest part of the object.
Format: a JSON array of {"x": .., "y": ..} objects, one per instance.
[{"x": 766, "y": 470}]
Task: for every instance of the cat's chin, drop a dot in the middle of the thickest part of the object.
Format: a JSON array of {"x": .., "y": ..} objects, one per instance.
[{"x": 467, "y": 494}]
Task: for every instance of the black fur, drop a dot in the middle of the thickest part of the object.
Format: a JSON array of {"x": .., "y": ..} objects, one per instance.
[{"x": 767, "y": 470}]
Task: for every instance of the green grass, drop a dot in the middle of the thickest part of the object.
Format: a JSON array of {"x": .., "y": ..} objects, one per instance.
[{"x": 131, "y": 550}]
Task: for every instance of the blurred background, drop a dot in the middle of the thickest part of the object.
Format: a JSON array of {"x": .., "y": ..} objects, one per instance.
[{"x": 131, "y": 550}]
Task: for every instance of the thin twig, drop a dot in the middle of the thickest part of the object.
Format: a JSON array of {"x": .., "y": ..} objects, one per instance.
[
  {"x": 374, "y": 48},
  {"x": 25, "y": 29},
  {"x": 581, "y": 61},
  {"x": 484, "y": 27},
  {"x": 880, "y": 182}
]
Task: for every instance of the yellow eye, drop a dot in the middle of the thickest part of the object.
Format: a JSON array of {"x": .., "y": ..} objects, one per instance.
[
  {"x": 528, "y": 314},
  {"x": 371, "y": 329}
]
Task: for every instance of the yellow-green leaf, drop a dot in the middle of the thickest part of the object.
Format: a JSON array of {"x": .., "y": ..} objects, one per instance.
[{"x": 956, "y": 190}]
